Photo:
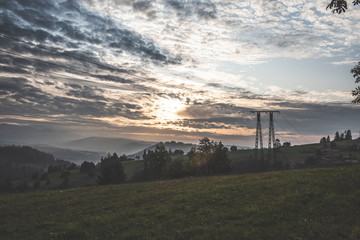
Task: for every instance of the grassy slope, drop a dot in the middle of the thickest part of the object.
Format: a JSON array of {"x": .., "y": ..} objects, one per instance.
[{"x": 297, "y": 204}]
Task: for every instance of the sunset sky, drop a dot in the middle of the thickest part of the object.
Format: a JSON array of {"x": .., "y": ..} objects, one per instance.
[{"x": 160, "y": 70}]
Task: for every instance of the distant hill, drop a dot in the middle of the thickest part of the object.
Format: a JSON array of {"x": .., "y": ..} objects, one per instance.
[
  {"x": 22, "y": 161},
  {"x": 102, "y": 144},
  {"x": 76, "y": 156},
  {"x": 168, "y": 145}
]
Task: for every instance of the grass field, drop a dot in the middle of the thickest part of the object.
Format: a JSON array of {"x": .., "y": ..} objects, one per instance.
[{"x": 297, "y": 204}]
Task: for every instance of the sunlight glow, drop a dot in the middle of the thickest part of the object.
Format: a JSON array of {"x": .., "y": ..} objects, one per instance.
[{"x": 167, "y": 109}]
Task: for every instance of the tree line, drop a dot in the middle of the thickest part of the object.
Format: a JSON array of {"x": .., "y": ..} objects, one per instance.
[{"x": 346, "y": 135}]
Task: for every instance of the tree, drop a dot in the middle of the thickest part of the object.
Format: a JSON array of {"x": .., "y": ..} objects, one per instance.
[
  {"x": 323, "y": 140},
  {"x": 111, "y": 170},
  {"x": 87, "y": 167},
  {"x": 178, "y": 152},
  {"x": 286, "y": 144},
  {"x": 328, "y": 139},
  {"x": 157, "y": 160},
  {"x": 209, "y": 158},
  {"x": 356, "y": 74},
  {"x": 348, "y": 135},
  {"x": 342, "y": 136},
  {"x": 337, "y": 137},
  {"x": 177, "y": 169},
  {"x": 233, "y": 148},
  {"x": 123, "y": 158},
  {"x": 340, "y": 6},
  {"x": 219, "y": 162}
]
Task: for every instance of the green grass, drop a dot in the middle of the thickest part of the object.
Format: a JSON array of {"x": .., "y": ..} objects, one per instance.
[{"x": 298, "y": 204}]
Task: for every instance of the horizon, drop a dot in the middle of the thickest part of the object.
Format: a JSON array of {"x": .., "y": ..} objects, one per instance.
[{"x": 176, "y": 70}]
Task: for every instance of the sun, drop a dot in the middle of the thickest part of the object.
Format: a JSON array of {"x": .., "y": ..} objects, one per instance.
[{"x": 167, "y": 109}]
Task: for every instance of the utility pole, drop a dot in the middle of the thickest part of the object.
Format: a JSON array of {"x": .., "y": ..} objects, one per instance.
[{"x": 271, "y": 152}]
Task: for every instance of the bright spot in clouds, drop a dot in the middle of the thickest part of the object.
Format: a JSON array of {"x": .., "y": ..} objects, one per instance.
[{"x": 175, "y": 69}]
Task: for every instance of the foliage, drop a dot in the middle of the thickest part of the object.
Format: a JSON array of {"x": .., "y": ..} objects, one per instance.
[
  {"x": 343, "y": 136},
  {"x": 348, "y": 135},
  {"x": 178, "y": 152},
  {"x": 209, "y": 158},
  {"x": 286, "y": 144},
  {"x": 340, "y": 6},
  {"x": 22, "y": 161},
  {"x": 157, "y": 161},
  {"x": 233, "y": 148},
  {"x": 356, "y": 74},
  {"x": 72, "y": 166},
  {"x": 87, "y": 167},
  {"x": 177, "y": 169},
  {"x": 111, "y": 170}
]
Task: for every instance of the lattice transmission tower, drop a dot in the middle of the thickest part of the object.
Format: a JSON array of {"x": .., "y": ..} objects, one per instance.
[{"x": 258, "y": 139}]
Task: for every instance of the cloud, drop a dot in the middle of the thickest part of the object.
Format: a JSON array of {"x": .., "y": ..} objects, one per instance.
[{"x": 41, "y": 26}]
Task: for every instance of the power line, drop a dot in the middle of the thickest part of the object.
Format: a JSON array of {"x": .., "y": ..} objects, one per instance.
[
  {"x": 295, "y": 129},
  {"x": 291, "y": 137}
]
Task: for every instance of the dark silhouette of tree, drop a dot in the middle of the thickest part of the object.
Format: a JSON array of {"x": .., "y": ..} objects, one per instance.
[
  {"x": 209, "y": 158},
  {"x": 123, "y": 158},
  {"x": 340, "y": 6},
  {"x": 219, "y": 163},
  {"x": 157, "y": 161},
  {"x": 348, "y": 135},
  {"x": 178, "y": 152},
  {"x": 286, "y": 144},
  {"x": 328, "y": 139},
  {"x": 356, "y": 74},
  {"x": 337, "y": 137},
  {"x": 111, "y": 170},
  {"x": 233, "y": 148},
  {"x": 87, "y": 167},
  {"x": 323, "y": 141},
  {"x": 342, "y": 136}
]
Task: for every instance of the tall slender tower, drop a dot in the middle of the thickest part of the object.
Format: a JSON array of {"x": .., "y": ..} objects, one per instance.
[{"x": 271, "y": 152}]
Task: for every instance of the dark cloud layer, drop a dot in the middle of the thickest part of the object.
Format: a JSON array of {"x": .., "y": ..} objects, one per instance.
[
  {"x": 20, "y": 97},
  {"x": 203, "y": 10},
  {"x": 45, "y": 26}
]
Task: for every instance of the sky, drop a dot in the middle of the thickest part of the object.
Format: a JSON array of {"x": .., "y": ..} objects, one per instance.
[{"x": 159, "y": 70}]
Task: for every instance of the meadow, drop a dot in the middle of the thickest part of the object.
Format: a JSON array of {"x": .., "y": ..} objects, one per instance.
[{"x": 319, "y": 203}]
